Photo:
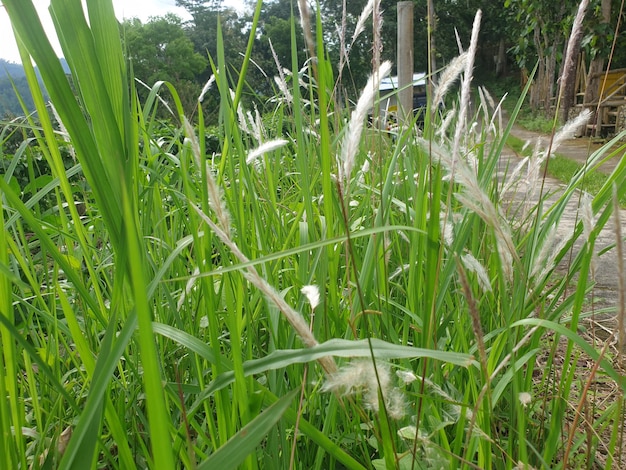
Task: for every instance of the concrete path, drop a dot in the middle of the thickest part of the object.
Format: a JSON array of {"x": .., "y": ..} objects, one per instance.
[{"x": 605, "y": 293}]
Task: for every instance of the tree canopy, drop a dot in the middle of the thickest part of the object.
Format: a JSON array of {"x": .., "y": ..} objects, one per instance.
[{"x": 515, "y": 35}]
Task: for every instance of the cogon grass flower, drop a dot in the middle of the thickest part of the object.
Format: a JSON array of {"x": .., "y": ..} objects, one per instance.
[
  {"x": 361, "y": 376},
  {"x": 265, "y": 148},
  {"x": 360, "y": 25},
  {"x": 465, "y": 87},
  {"x": 448, "y": 77},
  {"x": 206, "y": 88},
  {"x": 312, "y": 293},
  {"x": 524, "y": 398},
  {"x": 354, "y": 130},
  {"x": 473, "y": 265}
]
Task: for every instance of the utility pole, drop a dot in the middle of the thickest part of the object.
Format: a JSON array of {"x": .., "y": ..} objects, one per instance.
[{"x": 405, "y": 62}]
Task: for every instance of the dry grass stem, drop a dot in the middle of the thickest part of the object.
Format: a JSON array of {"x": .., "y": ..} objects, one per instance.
[
  {"x": 216, "y": 201},
  {"x": 475, "y": 316},
  {"x": 621, "y": 286},
  {"x": 305, "y": 21},
  {"x": 294, "y": 317}
]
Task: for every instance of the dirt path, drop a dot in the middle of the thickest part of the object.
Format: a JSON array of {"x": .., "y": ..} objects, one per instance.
[{"x": 605, "y": 293}]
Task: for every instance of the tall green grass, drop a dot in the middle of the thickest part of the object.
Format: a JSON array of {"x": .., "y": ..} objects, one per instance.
[{"x": 152, "y": 311}]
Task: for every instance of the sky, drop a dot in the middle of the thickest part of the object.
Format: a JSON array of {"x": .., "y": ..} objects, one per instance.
[{"x": 142, "y": 9}]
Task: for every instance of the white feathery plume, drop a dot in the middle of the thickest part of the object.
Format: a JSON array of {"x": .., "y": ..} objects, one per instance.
[
  {"x": 448, "y": 77},
  {"x": 406, "y": 376},
  {"x": 282, "y": 86},
  {"x": 513, "y": 179},
  {"x": 483, "y": 104},
  {"x": 312, "y": 293},
  {"x": 445, "y": 124},
  {"x": 524, "y": 398},
  {"x": 589, "y": 220},
  {"x": 547, "y": 255},
  {"x": 465, "y": 87},
  {"x": 264, "y": 148},
  {"x": 206, "y": 88},
  {"x": 458, "y": 40},
  {"x": 447, "y": 228},
  {"x": 473, "y": 265},
  {"x": 498, "y": 112},
  {"x": 544, "y": 253},
  {"x": 360, "y": 24},
  {"x": 241, "y": 116},
  {"x": 568, "y": 131},
  {"x": 256, "y": 128},
  {"x": 352, "y": 138},
  {"x": 534, "y": 166},
  {"x": 589, "y": 223},
  {"x": 574, "y": 38},
  {"x": 361, "y": 376},
  {"x": 280, "y": 80}
]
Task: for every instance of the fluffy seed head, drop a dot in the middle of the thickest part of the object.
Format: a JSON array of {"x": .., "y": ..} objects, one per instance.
[
  {"x": 312, "y": 293},
  {"x": 265, "y": 148},
  {"x": 354, "y": 130},
  {"x": 207, "y": 87},
  {"x": 448, "y": 77},
  {"x": 361, "y": 376}
]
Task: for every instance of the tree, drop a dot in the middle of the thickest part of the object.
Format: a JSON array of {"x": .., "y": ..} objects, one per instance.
[
  {"x": 160, "y": 50},
  {"x": 599, "y": 52},
  {"x": 549, "y": 25},
  {"x": 541, "y": 33},
  {"x": 202, "y": 30},
  {"x": 275, "y": 26}
]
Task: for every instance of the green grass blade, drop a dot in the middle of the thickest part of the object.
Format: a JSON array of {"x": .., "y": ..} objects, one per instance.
[
  {"x": 81, "y": 446},
  {"x": 238, "y": 447}
]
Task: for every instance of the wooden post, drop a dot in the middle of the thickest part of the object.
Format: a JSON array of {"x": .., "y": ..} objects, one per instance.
[{"x": 405, "y": 62}]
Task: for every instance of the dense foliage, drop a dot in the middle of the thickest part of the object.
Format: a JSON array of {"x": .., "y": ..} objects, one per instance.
[
  {"x": 292, "y": 287},
  {"x": 514, "y": 37}
]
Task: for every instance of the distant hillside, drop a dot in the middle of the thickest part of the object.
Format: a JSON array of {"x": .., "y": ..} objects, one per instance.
[
  {"x": 9, "y": 104},
  {"x": 10, "y": 68}
]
